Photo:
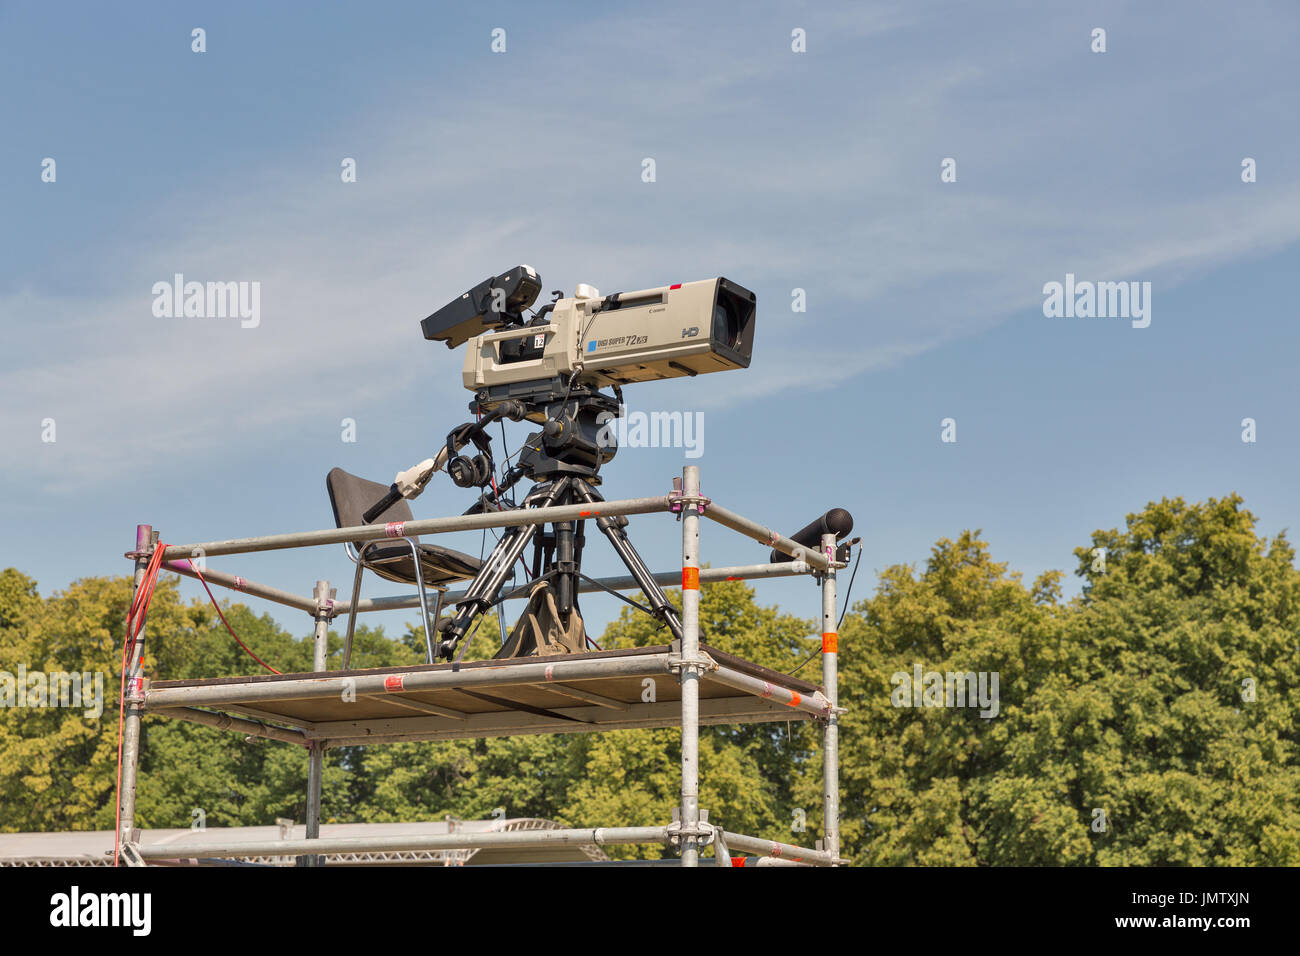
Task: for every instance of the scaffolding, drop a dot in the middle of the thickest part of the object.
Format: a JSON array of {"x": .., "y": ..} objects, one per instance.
[{"x": 684, "y": 683}]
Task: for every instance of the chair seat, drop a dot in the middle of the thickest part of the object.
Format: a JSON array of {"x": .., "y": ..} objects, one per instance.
[
  {"x": 351, "y": 497},
  {"x": 438, "y": 564}
]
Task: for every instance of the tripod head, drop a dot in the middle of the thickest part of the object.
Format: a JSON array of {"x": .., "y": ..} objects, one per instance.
[{"x": 574, "y": 439}]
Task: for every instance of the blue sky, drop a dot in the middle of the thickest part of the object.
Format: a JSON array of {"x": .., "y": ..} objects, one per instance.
[{"x": 780, "y": 170}]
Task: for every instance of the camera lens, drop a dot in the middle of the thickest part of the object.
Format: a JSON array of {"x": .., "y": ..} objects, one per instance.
[{"x": 726, "y": 324}]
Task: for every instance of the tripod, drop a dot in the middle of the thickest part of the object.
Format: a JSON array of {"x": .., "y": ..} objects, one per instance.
[{"x": 564, "y": 460}]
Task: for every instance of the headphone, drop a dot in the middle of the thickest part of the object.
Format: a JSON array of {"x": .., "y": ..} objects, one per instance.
[{"x": 464, "y": 471}]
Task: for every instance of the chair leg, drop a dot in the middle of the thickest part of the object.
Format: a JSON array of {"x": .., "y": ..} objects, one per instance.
[
  {"x": 424, "y": 601},
  {"x": 419, "y": 584},
  {"x": 352, "y": 616}
]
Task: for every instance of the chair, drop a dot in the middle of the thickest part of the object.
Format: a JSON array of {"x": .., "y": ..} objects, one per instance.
[{"x": 408, "y": 562}]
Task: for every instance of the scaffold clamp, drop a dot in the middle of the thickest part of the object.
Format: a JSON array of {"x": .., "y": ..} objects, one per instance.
[
  {"x": 702, "y": 831},
  {"x": 134, "y": 690},
  {"x": 702, "y": 664},
  {"x": 147, "y": 550},
  {"x": 678, "y": 498},
  {"x": 325, "y": 604}
]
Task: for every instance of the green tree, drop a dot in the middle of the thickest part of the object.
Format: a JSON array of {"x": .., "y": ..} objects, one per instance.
[
  {"x": 1122, "y": 738},
  {"x": 748, "y": 773},
  {"x": 63, "y": 762},
  {"x": 1186, "y": 640}
]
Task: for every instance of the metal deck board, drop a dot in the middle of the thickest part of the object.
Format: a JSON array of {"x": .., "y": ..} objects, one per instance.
[{"x": 460, "y": 710}]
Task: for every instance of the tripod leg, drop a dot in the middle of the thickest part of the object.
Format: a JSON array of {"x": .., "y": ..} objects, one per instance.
[
  {"x": 612, "y": 529},
  {"x": 483, "y": 590}
]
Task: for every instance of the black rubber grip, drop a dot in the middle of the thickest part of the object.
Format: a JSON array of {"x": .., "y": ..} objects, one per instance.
[
  {"x": 837, "y": 521},
  {"x": 386, "y": 502}
]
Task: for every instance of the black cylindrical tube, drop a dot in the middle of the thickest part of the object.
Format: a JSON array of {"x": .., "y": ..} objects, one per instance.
[{"x": 837, "y": 521}]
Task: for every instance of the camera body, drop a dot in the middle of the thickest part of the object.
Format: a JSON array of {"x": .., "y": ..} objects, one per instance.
[{"x": 690, "y": 328}]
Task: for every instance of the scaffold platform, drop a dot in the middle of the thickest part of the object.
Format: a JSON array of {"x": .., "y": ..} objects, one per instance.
[
  {"x": 578, "y": 693},
  {"x": 685, "y": 684}
]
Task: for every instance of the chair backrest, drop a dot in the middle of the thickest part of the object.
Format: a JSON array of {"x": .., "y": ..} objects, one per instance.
[{"x": 351, "y": 496}]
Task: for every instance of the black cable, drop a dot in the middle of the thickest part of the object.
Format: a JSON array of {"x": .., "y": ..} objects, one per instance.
[
  {"x": 847, "y": 592},
  {"x": 618, "y": 594},
  {"x": 800, "y": 667},
  {"x": 573, "y": 377},
  {"x": 568, "y": 389},
  {"x": 468, "y": 638},
  {"x": 591, "y": 321}
]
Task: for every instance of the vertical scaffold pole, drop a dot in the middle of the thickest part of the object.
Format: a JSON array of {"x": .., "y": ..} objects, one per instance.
[
  {"x": 321, "y": 640},
  {"x": 830, "y": 683},
  {"x": 133, "y": 698},
  {"x": 315, "y": 753},
  {"x": 690, "y": 674}
]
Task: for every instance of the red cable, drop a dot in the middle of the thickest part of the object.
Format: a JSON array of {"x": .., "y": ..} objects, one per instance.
[
  {"x": 136, "y": 615},
  {"x": 199, "y": 573}
]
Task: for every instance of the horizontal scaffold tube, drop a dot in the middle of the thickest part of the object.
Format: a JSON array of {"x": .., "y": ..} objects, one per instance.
[
  {"x": 239, "y": 724},
  {"x": 308, "y": 688},
  {"x": 599, "y": 836},
  {"x": 814, "y": 703},
  {"x": 401, "y": 602},
  {"x": 245, "y": 586},
  {"x": 767, "y": 536},
  {"x": 371, "y": 532},
  {"x": 623, "y": 583},
  {"x": 781, "y": 851}
]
